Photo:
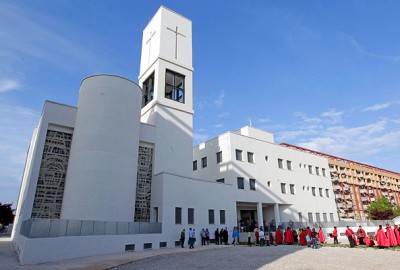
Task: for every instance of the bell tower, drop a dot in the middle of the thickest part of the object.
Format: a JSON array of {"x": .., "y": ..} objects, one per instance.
[{"x": 166, "y": 77}]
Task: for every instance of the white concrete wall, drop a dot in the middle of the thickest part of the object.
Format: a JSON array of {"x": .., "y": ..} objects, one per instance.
[{"x": 102, "y": 170}]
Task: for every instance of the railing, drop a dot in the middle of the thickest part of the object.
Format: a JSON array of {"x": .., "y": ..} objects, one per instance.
[{"x": 43, "y": 228}]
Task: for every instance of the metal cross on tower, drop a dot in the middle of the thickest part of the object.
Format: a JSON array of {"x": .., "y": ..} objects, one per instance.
[
  {"x": 176, "y": 39},
  {"x": 149, "y": 41}
]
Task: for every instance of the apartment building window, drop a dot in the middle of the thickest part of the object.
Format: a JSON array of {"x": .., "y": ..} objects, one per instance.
[
  {"x": 289, "y": 165},
  {"x": 219, "y": 157},
  {"x": 331, "y": 216},
  {"x": 317, "y": 170},
  {"x": 250, "y": 157},
  {"x": 313, "y": 191},
  {"x": 222, "y": 216},
  {"x": 323, "y": 172},
  {"x": 318, "y": 217},
  {"x": 221, "y": 180},
  {"x": 239, "y": 155},
  {"x": 292, "y": 190},
  {"x": 240, "y": 182},
  {"x": 190, "y": 215},
  {"x": 283, "y": 188},
  {"x": 325, "y": 217},
  {"x": 327, "y": 193},
  {"x": 211, "y": 216},
  {"x": 178, "y": 215},
  {"x": 321, "y": 194},
  {"x": 204, "y": 162},
  {"x": 252, "y": 184},
  {"x": 310, "y": 218},
  {"x": 310, "y": 169},
  {"x": 195, "y": 165},
  {"x": 280, "y": 163}
]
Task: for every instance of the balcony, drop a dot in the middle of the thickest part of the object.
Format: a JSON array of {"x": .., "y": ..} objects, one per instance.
[
  {"x": 349, "y": 206},
  {"x": 384, "y": 193},
  {"x": 350, "y": 215},
  {"x": 343, "y": 172},
  {"x": 336, "y": 188},
  {"x": 339, "y": 205},
  {"x": 373, "y": 199},
  {"x": 365, "y": 207},
  {"x": 333, "y": 171},
  {"x": 346, "y": 190},
  {"x": 391, "y": 194},
  {"x": 335, "y": 179},
  {"x": 369, "y": 184},
  {"x": 363, "y": 191},
  {"x": 371, "y": 192},
  {"x": 342, "y": 180},
  {"x": 338, "y": 196},
  {"x": 347, "y": 197},
  {"x": 364, "y": 199},
  {"x": 361, "y": 183},
  {"x": 383, "y": 185},
  {"x": 360, "y": 175},
  {"x": 368, "y": 177}
]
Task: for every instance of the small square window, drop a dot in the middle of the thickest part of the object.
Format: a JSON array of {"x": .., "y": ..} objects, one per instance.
[
  {"x": 178, "y": 215},
  {"x": 317, "y": 170},
  {"x": 219, "y": 157},
  {"x": 240, "y": 182},
  {"x": 327, "y": 193},
  {"x": 289, "y": 165},
  {"x": 310, "y": 169},
  {"x": 292, "y": 190},
  {"x": 250, "y": 157},
  {"x": 190, "y": 215},
  {"x": 239, "y": 155},
  {"x": 222, "y": 216},
  {"x": 222, "y": 180},
  {"x": 323, "y": 172},
  {"x": 283, "y": 188},
  {"x": 280, "y": 163},
  {"x": 204, "y": 162},
  {"x": 313, "y": 191},
  {"x": 195, "y": 165},
  {"x": 252, "y": 184},
  {"x": 321, "y": 194},
  {"x": 211, "y": 216}
]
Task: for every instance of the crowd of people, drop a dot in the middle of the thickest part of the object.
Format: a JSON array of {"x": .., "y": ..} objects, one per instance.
[{"x": 303, "y": 237}]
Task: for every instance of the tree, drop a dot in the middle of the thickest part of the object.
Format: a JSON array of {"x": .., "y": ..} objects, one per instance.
[
  {"x": 380, "y": 209},
  {"x": 6, "y": 214},
  {"x": 396, "y": 211}
]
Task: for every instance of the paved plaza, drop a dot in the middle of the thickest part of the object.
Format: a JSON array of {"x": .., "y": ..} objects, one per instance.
[{"x": 220, "y": 257}]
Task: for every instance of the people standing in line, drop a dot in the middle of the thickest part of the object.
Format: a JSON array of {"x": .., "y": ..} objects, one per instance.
[
  {"x": 207, "y": 237},
  {"x": 381, "y": 238},
  {"x": 335, "y": 236},
  {"x": 183, "y": 238},
  {"x": 308, "y": 239},
  {"x": 216, "y": 235},
  {"x": 289, "y": 236},
  {"x": 203, "y": 237},
  {"x": 397, "y": 233},
  {"x": 295, "y": 237},
  {"x": 221, "y": 236},
  {"x": 303, "y": 238},
  {"x": 390, "y": 236},
  {"x": 249, "y": 238},
  {"x": 267, "y": 238},
  {"x": 278, "y": 236},
  {"x": 257, "y": 235},
  {"x": 308, "y": 232},
  {"x": 226, "y": 236},
  {"x": 262, "y": 237},
  {"x": 314, "y": 236},
  {"x": 321, "y": 236},
  {"x": 235, "y": 236},
  {"x": 192, "y": 238},
  {"x": 349, "y": 233},
  {"x": 361, "y": 235},
  {"x": 291, "y": 223}
]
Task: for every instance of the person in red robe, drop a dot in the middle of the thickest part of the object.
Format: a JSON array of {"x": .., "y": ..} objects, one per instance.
[
  {"x": 381, "y": 238},
  {"x": 361, "y": 235},
  {"x": 303, "y": 240},
  {"x": 309, "y": 232},
  {"x": 355, "y": 239},
  {"x": 335, "y": 235},
  {"x": 289, "y": 236},
  {"x": 397, "y": 234},
  {"x": 368, "y": 241},
  {"x": 349, "y": 233},
  {"x": 321, "y": 235},
  {"x": 390, "y": 236},
  {"x": 278, "y": 236}
]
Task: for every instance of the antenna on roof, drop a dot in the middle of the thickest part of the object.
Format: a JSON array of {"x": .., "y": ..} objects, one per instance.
[{"x": 249, "y": 121}]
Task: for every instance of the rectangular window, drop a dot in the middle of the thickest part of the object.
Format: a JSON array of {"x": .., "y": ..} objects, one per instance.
[
  {"x": 292, "y": 191},
  {"x": 300, "y": 217},
  {"x": 210, "y": 216},
  {"x": 289, "y": 165},
  {"x": 178, "y": 215},
  {"x": 310, "y": 218},
  {"x": 219, "y": 157},
  {"x": 174, "y": 86},
  {"x": 323, "y": 172},
  {"x": 195, "y": 165},
  {"x": 310, "y": 169},
  {"x": 327, "y": 193},
  {"x": 239, "y": 155},
  {"x": 240, "y": 182},
  {"x": 331, "y": 216},
  {"x": 313, "y": 191},
  {"x": 204, "y": 162},
  {"x": 221, "y": 180},
  {"x": 222, "y": 216},
  {"x": 148, "y": 89},
  {"x": 325, "y": 217},
  {"x": 321, "y": 194},
  {"x": 280, "y": 163},
  {"x": 190, "y": 215},
  {"x": 252, "y": 184},
  {"x": 317, "y": 170},
  {"x": 318, "y": 217},
  {"x": 250, "y": 157},
  {"x": 283, "y": 188}
]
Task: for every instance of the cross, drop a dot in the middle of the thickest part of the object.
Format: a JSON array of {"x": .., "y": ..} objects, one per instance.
[
  {"x": 249, "y": 121},
  {"x": 149, "y": 41},
  {"x": 176, "y": 39}
]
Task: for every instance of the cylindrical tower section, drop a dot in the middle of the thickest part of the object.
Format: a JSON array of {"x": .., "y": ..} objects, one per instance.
[{"x": 102, "y": 170}]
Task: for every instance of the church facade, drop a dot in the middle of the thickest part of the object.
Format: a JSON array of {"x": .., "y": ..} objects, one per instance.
[{"x": 119, "y": 173}]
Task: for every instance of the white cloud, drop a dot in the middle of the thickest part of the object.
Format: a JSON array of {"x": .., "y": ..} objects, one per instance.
[
  {"x": 333, "y": 116},
  {"x": 200, "y": 137},
  {"x": 223, "y": 115},
  {"x": 8, "y": 85},
  {"x": 220, "y": 99},
  {"x": 218, "y": 125},
  {"x": 304, "y": 117},
  {"x": 264, "y": 120},
  {"x": 363, "y": 51},
  {"x": 377, "y": 107}
]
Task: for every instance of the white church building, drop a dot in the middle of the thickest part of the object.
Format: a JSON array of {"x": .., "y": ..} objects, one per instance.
[{"x": 119, "y": 173}]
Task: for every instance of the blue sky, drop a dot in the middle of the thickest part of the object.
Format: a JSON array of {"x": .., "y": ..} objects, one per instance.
[{"x": 320, "y": 74}]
